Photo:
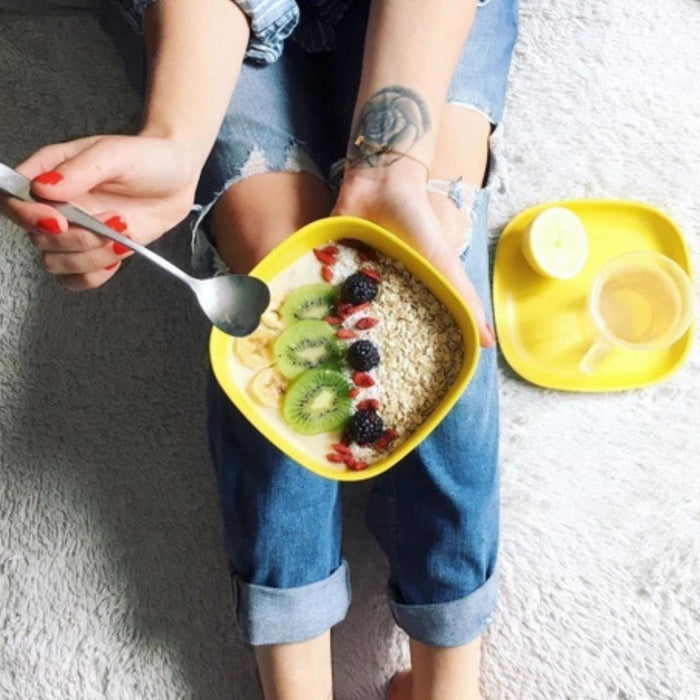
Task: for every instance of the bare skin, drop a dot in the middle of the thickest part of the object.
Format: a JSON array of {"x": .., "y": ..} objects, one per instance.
[
  {"x": 295, "y": 671},
  {"x": 246, "y": 225},
  {"x": 439, "y": 674}
]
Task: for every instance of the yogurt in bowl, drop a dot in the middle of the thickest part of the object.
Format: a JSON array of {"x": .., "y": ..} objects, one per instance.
[{"x": 362, "y": 351}]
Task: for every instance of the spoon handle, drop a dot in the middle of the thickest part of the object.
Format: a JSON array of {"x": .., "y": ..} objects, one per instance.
[
  {"x": 17, "y": 185},
  {"x": 81, "y": 218}
]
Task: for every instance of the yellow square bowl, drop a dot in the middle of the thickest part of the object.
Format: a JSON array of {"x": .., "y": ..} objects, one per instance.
[{"x": 315, "y": 235}]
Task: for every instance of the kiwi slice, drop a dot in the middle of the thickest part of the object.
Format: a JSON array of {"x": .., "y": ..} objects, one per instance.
[
  {"x": 310, "y": 301},
  {"x": 306, "y": 345},
  {"x": 317, "y": 402}
]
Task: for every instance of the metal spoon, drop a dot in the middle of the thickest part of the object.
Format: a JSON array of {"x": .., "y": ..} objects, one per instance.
[{"x": 233, "y": 303}]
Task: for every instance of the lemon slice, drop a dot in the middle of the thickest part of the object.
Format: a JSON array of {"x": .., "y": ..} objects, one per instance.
[{"x": 555, "y": 243}]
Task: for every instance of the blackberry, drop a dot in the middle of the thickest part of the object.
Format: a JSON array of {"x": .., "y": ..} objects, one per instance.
[
  {"x": 358, "y": 288},
  {"x": 362, "y": 355},
  {"x": 366, "y": 426}
]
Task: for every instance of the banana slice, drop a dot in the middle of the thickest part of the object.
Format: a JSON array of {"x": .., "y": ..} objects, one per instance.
[
  {"x": 555, "y": 243},
  {"x": 267, "y": 387},
  {"x": 272, "y": 317},
  {"x": 255, "y": 350}
]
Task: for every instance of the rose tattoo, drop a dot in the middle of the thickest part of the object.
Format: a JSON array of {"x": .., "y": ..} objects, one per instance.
[{"x": 391, "y": 121}]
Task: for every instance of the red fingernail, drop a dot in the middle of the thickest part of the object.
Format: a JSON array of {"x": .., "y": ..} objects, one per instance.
[
  {"x": 120, "y": 249},
  {"x": 116, "y": 223},
  {"x": 112, "y": 266},
  {"x": 50, "y": 177},
  {"x": 50, "y": 226}
]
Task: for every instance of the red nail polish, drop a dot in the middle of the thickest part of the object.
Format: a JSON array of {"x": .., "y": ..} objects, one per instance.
[
  {"x": 116, "y": 223},
  {"x": 50, "y": 226},
  {"x": 50, "y": 177},
  {"x": 112, "y": 266},
  {"x": 120, "y": 249}
]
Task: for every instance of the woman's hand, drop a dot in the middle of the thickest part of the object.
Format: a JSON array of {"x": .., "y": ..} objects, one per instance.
[
  {"x": 396, "y": 198},
  {"x": 141, "y": 186}
]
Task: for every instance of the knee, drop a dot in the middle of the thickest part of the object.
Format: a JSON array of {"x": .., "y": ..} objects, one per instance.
[{"x": 259, "y": 212}]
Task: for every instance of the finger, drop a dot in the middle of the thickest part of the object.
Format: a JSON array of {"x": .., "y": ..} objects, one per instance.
[
  {"x": 76, "y": 239},
  {"x": 33, "y": 216},
  {"x": 453, "y": 270},
  {"x": 84, "y": 282},
  {"x": 27, "y": 214},
  {"x": 47, "y": 158},
  {"x": 84, "y": 261},
  {"x": 427, "y": 228},
  {"x": 99, "y": 163}
]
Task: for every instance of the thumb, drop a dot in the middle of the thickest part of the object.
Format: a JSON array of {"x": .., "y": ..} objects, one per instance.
[
  {"x": 455, "y": 273},
  {"x": 97, "y": 163}
]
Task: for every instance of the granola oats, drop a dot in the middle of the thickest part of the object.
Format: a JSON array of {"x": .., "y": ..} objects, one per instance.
[{"x": 422, "y": 348}]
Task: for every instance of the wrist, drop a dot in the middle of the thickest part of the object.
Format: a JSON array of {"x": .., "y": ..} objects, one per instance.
[
  {"x": 392, "y": 132},
  {"x": 188, "y": 141},
  {"x": 190, "y": 153},
  {"x": 397, "y": 172}
]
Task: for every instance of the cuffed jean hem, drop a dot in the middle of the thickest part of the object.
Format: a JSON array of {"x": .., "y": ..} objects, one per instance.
[
  {"x": 449, "y": 624},
  {"x": 282, "y": 615}
]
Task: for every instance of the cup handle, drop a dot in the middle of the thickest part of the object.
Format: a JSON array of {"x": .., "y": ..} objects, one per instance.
[{"x": 597, "y": 352}]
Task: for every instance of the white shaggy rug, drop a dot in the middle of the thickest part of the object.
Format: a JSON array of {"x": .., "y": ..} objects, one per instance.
[{"x": 112, "y": 577}]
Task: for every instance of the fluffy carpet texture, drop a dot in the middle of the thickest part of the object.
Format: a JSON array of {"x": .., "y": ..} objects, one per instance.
[{"x": 112, "y": 576}]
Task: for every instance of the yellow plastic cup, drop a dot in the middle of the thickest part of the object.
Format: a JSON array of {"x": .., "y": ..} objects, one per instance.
[{"x": 641, "y": 301}]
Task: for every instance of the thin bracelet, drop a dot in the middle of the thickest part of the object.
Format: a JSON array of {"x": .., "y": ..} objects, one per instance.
[{"x": 380, "y": 151}]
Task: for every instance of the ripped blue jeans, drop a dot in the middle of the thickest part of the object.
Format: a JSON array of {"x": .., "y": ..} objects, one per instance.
[{"x": 435, "y": 514}]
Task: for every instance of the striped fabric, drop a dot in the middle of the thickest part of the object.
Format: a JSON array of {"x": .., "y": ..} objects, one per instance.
[{"x": 272, "y": 21}]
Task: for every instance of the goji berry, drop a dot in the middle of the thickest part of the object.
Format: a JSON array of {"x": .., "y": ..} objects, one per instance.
[
  {"x": 341, "y": 447},
  {"x": 330, "y": 249},
  {"x": 364, "y": 323},
  {"x": 362, "y": 379},
  {"x": 353, "y": 392},
  {"x": 343, "y": 308},
  {"x": 371, "y": 273},
  {"x": 333, "y": 320},
  {"x": 380, "y": 444},
  {"x": 345, "y": 334},
  {"x": 350, "y": 310},
  {"x": 368, "y": 404},
  {"x": 324, "y": 257},
  {"x": 327, "y": 273},
  {"x": 335, "y": 457}
]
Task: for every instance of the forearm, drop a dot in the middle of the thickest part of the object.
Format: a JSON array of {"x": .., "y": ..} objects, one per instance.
[
  {"x": 195, "y": 50},
  {"x": 411, "y": 50}
]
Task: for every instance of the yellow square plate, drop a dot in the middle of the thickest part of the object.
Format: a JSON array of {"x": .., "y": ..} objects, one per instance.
[
  {"x": 542, "y": 324},
  {"x": 317, "y": 234}
]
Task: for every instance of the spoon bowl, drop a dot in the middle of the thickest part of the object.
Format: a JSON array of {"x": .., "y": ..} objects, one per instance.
[{"x": 233, "y": 303}]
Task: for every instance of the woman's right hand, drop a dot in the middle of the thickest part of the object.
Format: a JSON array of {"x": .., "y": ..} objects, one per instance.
[{"x": 141, "y": 186}]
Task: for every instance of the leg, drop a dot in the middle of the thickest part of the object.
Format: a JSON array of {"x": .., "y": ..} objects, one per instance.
[
  {"x": 260, "y": 211},
  {"x": 461, "y": 156},
  {"x": 438, "y": 672},
  {"x": 244, "y": 227},
  {"x": 296, "y": 671},
  {"x": 451, "y": 672},
  {"x": 436, "y": 515}
]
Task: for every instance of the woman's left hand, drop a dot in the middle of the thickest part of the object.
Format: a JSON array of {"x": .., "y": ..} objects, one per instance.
[{"x": 396, "y": 199}]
